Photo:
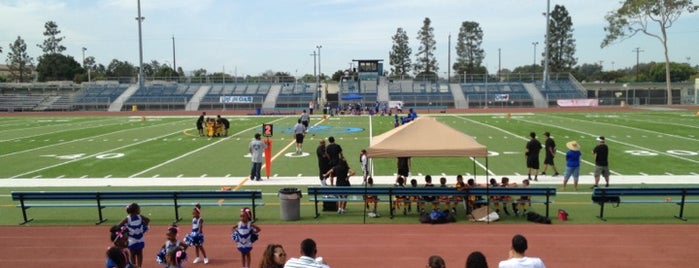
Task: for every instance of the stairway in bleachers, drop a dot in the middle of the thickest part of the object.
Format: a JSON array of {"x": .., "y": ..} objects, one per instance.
[
  {"x": 271, "y": 98},
  {"x": 193, "y": 104},
  {"x": 537, "y": 98},
  {"x": 459, "y": 98},
  {"x": 382, "y": 91},
  {"x": 118, "y": 104}
]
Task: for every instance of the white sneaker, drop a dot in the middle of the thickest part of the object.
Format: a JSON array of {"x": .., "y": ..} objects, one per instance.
[
  {"x": 206, "y": 260},
  {"x": 197, "y": 260}
]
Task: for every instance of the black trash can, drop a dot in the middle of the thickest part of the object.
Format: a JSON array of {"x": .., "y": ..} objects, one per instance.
[{"x": 290, "y": 203}]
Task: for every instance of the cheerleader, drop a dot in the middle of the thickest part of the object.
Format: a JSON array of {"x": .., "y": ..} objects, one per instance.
[
  {"x": 196, "y": 237},
  {"x": 118, "y": 253},
  {"x": 137, "y": 226},
  {"x": 170, "y": 248},
  {"x": 244, "y": 234}
]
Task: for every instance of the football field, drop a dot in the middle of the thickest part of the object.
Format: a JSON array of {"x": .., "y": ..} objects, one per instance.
[{"x": 642, "y": 143}]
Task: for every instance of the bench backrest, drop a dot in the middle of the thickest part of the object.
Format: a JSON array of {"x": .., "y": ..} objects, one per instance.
[
  {"x": 433, "y": 191},
  {"x": 632, "y": 191},
  {"x": 348, "y": 190},
  {"x": 133, "y": 195}
]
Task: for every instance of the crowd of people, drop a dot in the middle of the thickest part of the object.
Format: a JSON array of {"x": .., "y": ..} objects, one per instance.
[
  {"x": 212, "y": 127},
  {"x": 128, "y": 242},
  {"x": 573, "y": 156}
]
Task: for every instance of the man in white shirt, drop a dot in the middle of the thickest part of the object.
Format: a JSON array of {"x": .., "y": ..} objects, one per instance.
[
  {"x": 518, "y": 259},
  {"x": 308, "y": 258}
]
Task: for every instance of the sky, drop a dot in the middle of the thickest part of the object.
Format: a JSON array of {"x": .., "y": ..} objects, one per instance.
[{"x": 249, "y": 37}]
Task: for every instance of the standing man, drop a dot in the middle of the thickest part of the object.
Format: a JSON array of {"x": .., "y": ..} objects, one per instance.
[
  {"x": 299, "y": 133},
  {"x": 365, "y": 165},
  {"x": 334, "y": 153},
  {"x": 323, "y": 161},
  {"x": 601, "y": 152},
  {"x": 403, "y": 165},
  {"x": 532, "y": 154},
  {"x": 305, "y": 118},
  {"x": 200, "y": 124},
  {"x": 256, "y": 148},
  {"x": 550, "y": 147},
  {"x": 311, "y": 105}
]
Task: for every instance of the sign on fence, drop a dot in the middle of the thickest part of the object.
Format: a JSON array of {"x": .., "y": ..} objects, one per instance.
[{"x": 235, "y": 99}]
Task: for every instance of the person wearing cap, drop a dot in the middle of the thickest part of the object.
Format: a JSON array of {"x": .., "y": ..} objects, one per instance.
[
  {"x": 532, "y": 154},
  {"x": 517, "y": 258},
  {"x": 550, "y": 148},
  {"x": 601, "y": 152},
  {"x": 256, "y": 148},
  {"x": 572, "y": 164}
]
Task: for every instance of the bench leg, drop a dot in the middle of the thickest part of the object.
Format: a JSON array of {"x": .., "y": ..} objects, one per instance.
[
  {"x": 601, "y": 212},
  {"x": 24, "y": 213},
  {"x": 99, "y": 212},
  {"x": 681, "y": 216}
]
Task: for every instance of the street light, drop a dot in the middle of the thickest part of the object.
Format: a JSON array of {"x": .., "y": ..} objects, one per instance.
[
  {"x": 534, "y": 44},
  {"x": 88, "y": 69}
]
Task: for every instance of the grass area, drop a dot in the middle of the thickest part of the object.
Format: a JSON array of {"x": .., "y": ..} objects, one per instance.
[
  {"x": 577, "y": 204},
  {"x": 651, "y": 143}
]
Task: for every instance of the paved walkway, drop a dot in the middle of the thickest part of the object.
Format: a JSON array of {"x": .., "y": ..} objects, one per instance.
[{"x": 233, "y": 181}]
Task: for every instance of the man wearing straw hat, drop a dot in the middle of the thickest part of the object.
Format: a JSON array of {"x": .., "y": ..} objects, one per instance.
[{"x": 572, "y": 164}]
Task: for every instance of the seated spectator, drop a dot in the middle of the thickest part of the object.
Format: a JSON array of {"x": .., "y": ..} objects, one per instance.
[
  {"x": 436, "y": 262},
  {"x": 273, "y": 257},
  {"x": 400, "y": 199},
  {"x": 308, "y": 257},
  {"x": 371, "y": 199},
  {"x": 476, "y": 260},
  {"x": 517, "y": 258}
]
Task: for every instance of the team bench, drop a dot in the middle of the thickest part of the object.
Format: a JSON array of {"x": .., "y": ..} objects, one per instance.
[
  {"x": 330, "y": 194},
  {"x": 602, "y": 196},
  {"x": 66, "y": 199}
]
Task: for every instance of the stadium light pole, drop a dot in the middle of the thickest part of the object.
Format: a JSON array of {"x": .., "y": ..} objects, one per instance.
[
  {"x": 320, "y": 73},
  {"x": 140, "y": 47},
  {"x": 534, "y": 44},
  {"x": 88, "y": 69},
  {"x": 546, "y": 44}
]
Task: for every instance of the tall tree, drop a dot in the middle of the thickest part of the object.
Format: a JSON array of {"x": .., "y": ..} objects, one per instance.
[
  {"x": 469, "y": 54},
  {"x": 19, "y": 62},
  {"x": 426, "y": 63},
  {"x": 120, "y": 69},
  {"x": 58, "y": 67},
  {"x": 561, "y": 42},
  {"x": 636, "y": 16},
  {"x": 52, "y": 43},
  {"x": 400, "y": 54}
]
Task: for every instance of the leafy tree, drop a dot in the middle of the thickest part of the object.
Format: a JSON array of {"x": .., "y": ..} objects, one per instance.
[
  {"x": 528, "y": 69},
  {"x": 678, "y": 72},
  {"x": 52, "y": 43},
  {"x": 469, "y": 54},
  {"x": 400, "y": 54},
  {"x": 199, "y": 73},
  {"x": 58, "y": 67},
  {"x": 118, "y": 68},
  {"x": 19, "y": 62},
  {"x": 426, "y": 63},
  {"x": 588, "y": 72},
  {"x": 561, "y": 42},
  {"x": 636, "y": 16}
]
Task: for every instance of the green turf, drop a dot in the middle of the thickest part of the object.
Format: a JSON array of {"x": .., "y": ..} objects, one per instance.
[{"x": 649, "y": 143}]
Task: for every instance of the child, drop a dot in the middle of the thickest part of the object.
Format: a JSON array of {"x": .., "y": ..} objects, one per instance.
[
  {"x": 371, "y": 199},
  {"x": 196, "y": 237},
  {"x": 118, "y": 253},
  {"x": 244, "y": 234},
  {"x": 175, "y": 257},
  {"x": 400, "y": 182},
  {"x": 445, "y": 199},
  {"x": 137, "y": 226},
  {"x": 171, "y": 245}
]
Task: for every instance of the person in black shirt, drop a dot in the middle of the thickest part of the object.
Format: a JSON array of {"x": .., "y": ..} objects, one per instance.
[
  {"x": 532, "y": 154},
  {"x": 550, "y": 148},
  {"x": 334, "y": 153},
  {"x": 323, "y": 161},
  {"x": 601, "y": 152},
  {"x": 226, "y": 124}
]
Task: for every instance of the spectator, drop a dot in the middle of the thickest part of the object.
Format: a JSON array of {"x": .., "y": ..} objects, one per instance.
[
  {"x": 436, "y": 262},
  {"x": 200, "y": 124},
  {"x": 342, "y": 171},
  {"x": 323, "y": 161},
  {"x": 517, "y": 259},
  {"x": 550, "y": 148},
  {"x": 308, "y": 257},
  {"x": 334, "y": 151},
  {"x": 403, "y": 165},
  {"x": 572, "y": 164},
  {"x": 273, "y": 257},
  {"x": 476, "y": 260},
  {"x": 364, "y": 161},
  {"x": 601, "y": 153},
  {"x": 305, "y": 118},
  {"x": 371, "y": 200},
  {"x": 532, "y": 155}
]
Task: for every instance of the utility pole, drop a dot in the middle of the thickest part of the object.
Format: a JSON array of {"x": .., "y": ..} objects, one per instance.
[
  {"x": 86, "y": 67},
  {"x": 546, "y": 44},
  {"x": 637, "y": 50},
  {"x": 449, "y": 61}
]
